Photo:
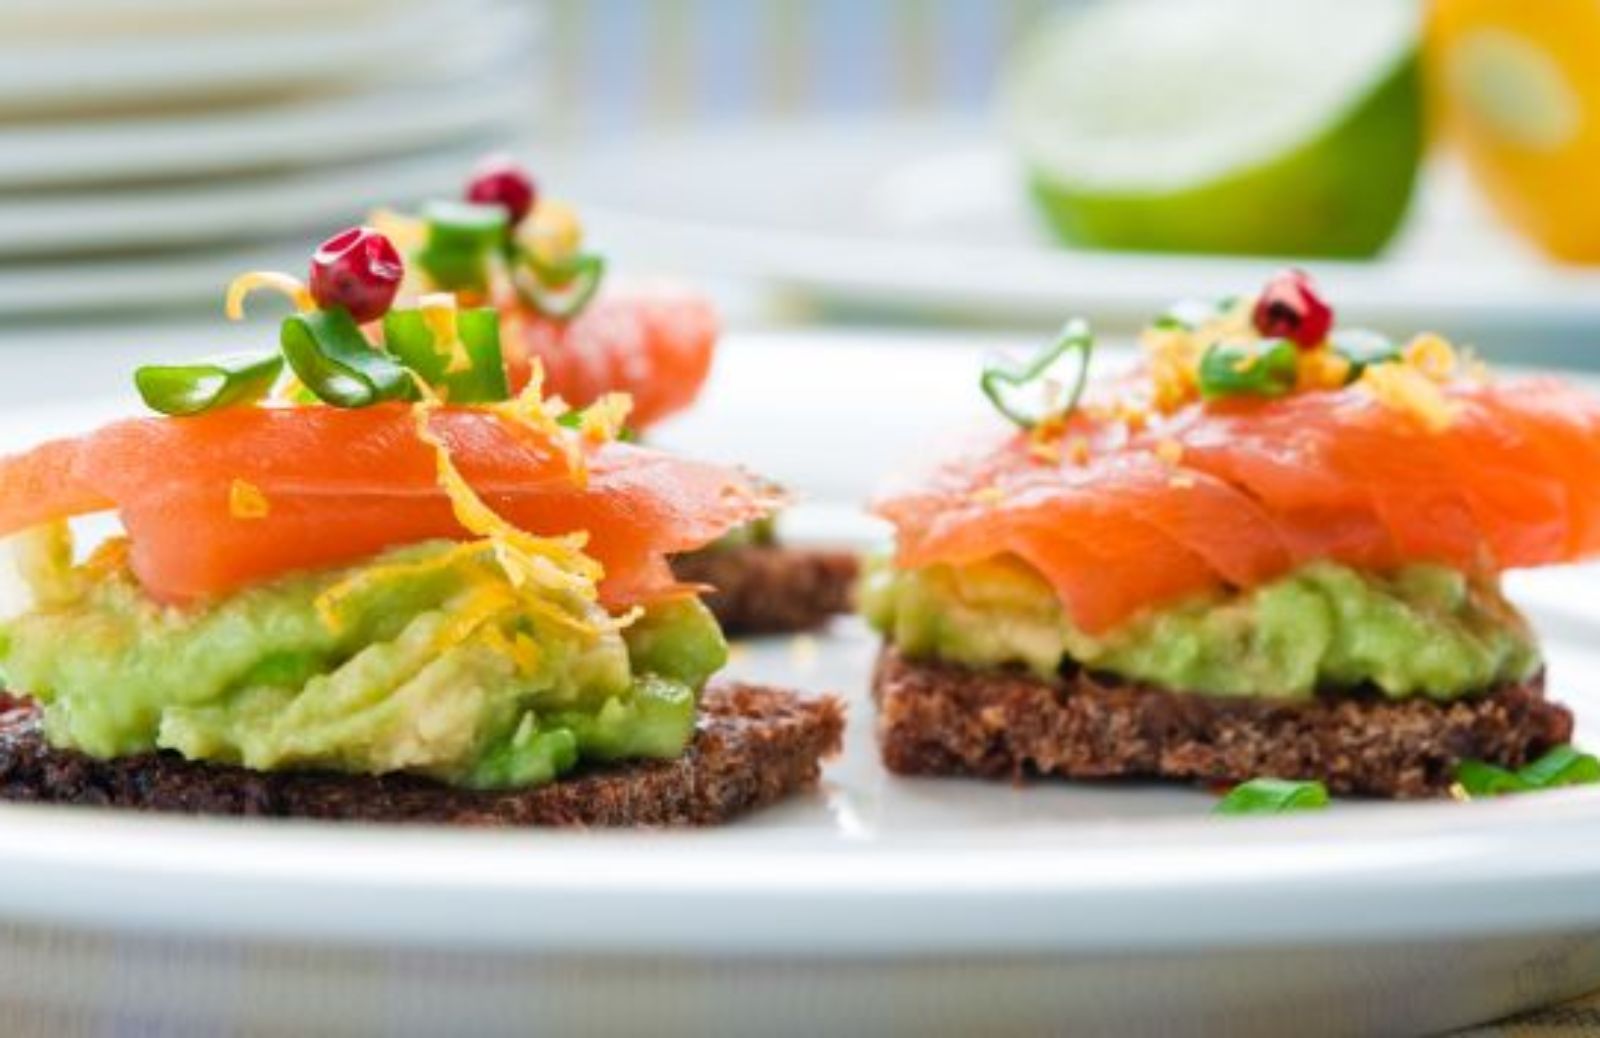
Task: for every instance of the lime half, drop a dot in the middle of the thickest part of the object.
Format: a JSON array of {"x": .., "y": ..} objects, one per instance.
[{"x": 1284, "y": 127}]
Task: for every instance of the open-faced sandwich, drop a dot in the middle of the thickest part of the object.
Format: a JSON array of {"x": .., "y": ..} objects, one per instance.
[
  {"x": 381, "y": 584},
  {"x": 504, "y": 243},
  {"x": 1273, "y": 548}
]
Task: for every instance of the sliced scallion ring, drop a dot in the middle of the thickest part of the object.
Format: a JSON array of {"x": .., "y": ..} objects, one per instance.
[
  {"x": 462, "y": 239},
  {"x": 1266, "y": 369},
  {"x": 205, "y": 385},
  {"x": 561, "y": 292},
  {"x": 1002, "y": 383},
  {"x": 1562, "y": 766},
  {"x": 1270, "y": 796},
  {"x": 332, "y": 359},
  {"x": 1363, "y": 348},
  {"x": 407, "y": 334}
]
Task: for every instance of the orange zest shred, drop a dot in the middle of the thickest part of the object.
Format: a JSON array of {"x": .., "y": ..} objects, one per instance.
[
  {"x": 531, "y": 410},
  {"x": 286, "y": 284},
  {"x": 439, "y": 313},
  {"x": 604, "y": 420},
  {"x": 1321, "y": 368},
  {"x": 1433, "y": 356},
  {"x": 1408, "y": 390}
]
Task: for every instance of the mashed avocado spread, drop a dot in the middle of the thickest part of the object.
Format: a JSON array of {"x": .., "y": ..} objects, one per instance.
[
  {"x": 1423, "y": 630},
  {"x": 423, "y": 660}
]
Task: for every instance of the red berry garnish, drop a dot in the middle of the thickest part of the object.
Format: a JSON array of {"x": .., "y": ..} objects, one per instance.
[
  {"x": 500, "y": 180},
  {"x": 1290, "y": 308},
  {"x": 359, "y": 270}
]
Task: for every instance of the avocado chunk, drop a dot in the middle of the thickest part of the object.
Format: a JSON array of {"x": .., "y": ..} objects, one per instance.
[
  {"x": 425, "y": 659},
  {"x": 1419, "y": 631}
]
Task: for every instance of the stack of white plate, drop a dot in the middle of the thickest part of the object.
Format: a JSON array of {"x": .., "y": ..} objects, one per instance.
[{"x": 151, "y": 148}]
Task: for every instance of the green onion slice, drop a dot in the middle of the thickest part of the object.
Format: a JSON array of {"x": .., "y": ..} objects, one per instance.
[
  {"x": 1270, "y": 796},
  {"x": 331, "y": 357},
  {"x": 1266, "y": 369},
  {"x": 462, "y": 240},
  {"x": 1562, "y": 766},
  {"x": 1001, "y": 383},
  {"x": 561, "y": 292},
  {"x": 1486, "y": 780},
  {"x": 205, "y": 385},
  {"x": 1363, "y": 348},
  {"x": 407, "y": 335},
  {"x": 1186, "y": 315}
]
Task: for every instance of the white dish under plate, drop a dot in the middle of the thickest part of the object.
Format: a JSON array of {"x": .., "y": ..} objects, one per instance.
[{"x": 932, "y": 906}]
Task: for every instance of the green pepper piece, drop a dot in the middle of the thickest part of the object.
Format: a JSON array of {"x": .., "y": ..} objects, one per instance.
[
  {"x": 561, "y": 292},
  {"x": 1270, "y": 796},
  {"x": 462, "y": 239},
  {"x": 406, "y": 334},
  {"x": 331, "y": 357},
  {"x": 1267, "y": 368},
  {"x": 999, "y": 382},
  {"x": 1363, "y": 348},
  {"x": 190, "y": 389}
]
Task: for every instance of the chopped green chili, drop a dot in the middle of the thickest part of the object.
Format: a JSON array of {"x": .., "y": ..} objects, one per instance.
[
  {"x": 561, "y": 291},
  {"x": 205, "y": 385},
  {"x": 999, "y": 382},
  {"x": 1363, "y": 348},
  {"x": 1270, "y": 796},
  {"x": 407, "y": 335},
  {"x": 1266, "y": 368},
  {"x": 1562, "y": 766},
  {"x": 462, "y": 240},
  {"x": 332, "y": 359}
]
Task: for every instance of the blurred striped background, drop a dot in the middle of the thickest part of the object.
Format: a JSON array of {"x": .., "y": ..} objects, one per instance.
[{"x": 621, "y": 65}]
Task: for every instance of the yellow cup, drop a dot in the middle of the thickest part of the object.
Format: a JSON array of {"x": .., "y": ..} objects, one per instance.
[{"x": 1517, "y": 83}]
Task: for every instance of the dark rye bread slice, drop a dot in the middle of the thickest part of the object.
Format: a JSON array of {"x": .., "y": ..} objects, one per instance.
[
  {"x": 938, "y": 719},
  {"x": 771, "y": 589},
  {"x": 754, "y": 746}
]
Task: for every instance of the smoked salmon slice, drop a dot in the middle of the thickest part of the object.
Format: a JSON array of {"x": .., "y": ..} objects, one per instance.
[
  {"x": 655, "y": 344},
  {"x": 342, "y": 485},
  {"x": 1221, "y": 496}
]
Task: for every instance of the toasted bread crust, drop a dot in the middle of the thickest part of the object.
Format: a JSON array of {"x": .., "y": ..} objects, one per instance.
[
  {"x": 938, "y": 718},
  {"x": 754, "y": 746},
  {"x": 772, "y": 589}
]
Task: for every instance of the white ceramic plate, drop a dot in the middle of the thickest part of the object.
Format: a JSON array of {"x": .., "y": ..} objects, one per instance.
[
  {"x": 878, "y": 901},
  {"x": 931, "y": 218}
]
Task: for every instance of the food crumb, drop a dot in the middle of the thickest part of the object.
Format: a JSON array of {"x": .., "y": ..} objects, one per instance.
[{"x": 246, "y": 501}]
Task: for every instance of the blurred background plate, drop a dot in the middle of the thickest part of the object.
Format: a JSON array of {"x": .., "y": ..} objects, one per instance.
[
  {"x": 925, "y": 219},
  {"x": 151, "y": 149},
  {"x": 180, "y": 58},
  {"x": 321, "y": 130}
]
